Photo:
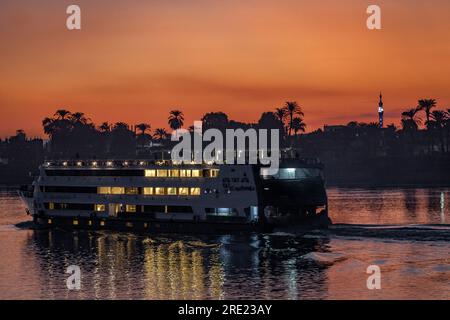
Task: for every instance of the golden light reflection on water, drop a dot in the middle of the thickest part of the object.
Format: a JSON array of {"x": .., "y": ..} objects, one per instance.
[
  {"x": 175, "y": 271},
  {"x": 263, "y": 266}
]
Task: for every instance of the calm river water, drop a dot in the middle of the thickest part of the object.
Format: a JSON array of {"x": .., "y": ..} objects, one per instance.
[{"x": 263, "y": 266}]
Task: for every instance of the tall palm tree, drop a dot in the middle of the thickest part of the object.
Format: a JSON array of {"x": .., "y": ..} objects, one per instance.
[
  {"x": 143, "y": 127},
  {"x": 426, "y": 105},
  {"x": 62, "y": 114},
  {"x": 176, "y": 119},
  {"x": 292, "y": 109},
  {"x": 298, "y": 125},
  {"x": 160, "y": 134}
]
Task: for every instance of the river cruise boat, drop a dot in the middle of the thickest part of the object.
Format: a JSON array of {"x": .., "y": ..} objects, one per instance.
[{"x": 159, "y": 196}]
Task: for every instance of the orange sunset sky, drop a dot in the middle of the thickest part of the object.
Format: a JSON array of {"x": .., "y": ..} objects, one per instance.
[{"x": 135, "y": 60}]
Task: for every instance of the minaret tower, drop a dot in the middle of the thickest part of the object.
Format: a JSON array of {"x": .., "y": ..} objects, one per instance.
[{"x": 380, "y": 111}]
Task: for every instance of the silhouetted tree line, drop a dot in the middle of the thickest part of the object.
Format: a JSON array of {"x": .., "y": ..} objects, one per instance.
[{"x": 74, "y": 135}]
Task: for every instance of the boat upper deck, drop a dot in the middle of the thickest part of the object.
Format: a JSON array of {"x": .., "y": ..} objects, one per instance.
[{"x": 143, "y": 164}]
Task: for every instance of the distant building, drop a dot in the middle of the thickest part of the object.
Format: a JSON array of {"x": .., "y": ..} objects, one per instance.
[
  {"x": 380, "y": 111},
  {"x": 333, "y": 128}
]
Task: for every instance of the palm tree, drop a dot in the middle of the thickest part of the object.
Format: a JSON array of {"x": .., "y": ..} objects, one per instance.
[
  {"x": 410, "y": 125},
  {"x": 143, "y": 127},
  {"x": 298, "y": 125},
  {"x": 438, "y": 123},
  {"x": 160, "y": 134},
  {"x": 426, "y": 105},
  {"x": 292, "y": 109},
  {"x": 104, "y": 127},
  {"x": 62, "y": 114},
  {"x": 79, "y": 118},
  {"x": 280, "y": 113},
  {"x": 410, "y": 121},
  {"x": 176, "y": 119},
  {"x": 49, "y": 126},
  {"x": 411, "y": 113},
  {"x": 121, "y": 126}
]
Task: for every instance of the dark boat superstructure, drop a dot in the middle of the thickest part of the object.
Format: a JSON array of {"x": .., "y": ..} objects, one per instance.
[{"x": 148, "y": 196}]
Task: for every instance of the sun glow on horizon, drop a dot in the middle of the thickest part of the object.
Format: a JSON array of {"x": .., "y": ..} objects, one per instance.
[{"x": 136, "y": 61}]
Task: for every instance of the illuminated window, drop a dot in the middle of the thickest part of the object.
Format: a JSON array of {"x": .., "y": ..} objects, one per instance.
[
  {"x": 196, "y": 173},
  {"x": 172, "y": 191},
  {"x": 150, "y": 173},
  {"x": 185, "y": 173},
  {"x": 160, "y": 191},
  {"x": 131, "y": 190},
  {"x": 117, "y": 190},
  {"x": 130, "y": 208},
  {"x": 214, "y": 173},
  {"x": 104, "y": 190},
  {"x": 145, "y": 225},
  {"x": 100, "y": 207},
  {"x": 49, "y": 221},
  {"x": 195, "y": 191},
  {"x": 75, "y": 222},
  {"x": 51, "y": 206},
  {"x": 147, "y": 191},
  {"x": 174, "y": 173},
  {"x": 129, "y": 224},
  {"x": 102, "y": 223},
  {"x": 183, "y": 191},
  {"x": 161, "y": 173},
  {"x": 90, "y": 222}
]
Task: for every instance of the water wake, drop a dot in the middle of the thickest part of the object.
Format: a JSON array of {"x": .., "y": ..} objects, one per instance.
[{"x": 396, "y": 232}]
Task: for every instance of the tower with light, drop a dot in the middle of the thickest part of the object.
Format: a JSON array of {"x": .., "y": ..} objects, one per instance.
[{"x": 380, "y": 111}]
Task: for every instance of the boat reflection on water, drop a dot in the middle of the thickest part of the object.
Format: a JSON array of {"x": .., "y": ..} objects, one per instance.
[{"x": 128, "y": 266}]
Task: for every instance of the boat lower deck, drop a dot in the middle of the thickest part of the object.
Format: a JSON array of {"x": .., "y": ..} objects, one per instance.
[{"x": 149, "y": 226}]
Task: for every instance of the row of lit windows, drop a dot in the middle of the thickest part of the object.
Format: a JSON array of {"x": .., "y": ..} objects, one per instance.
[
  {"x": 128, "y": 208},
  {"x": 102, "y": 223},
  {"x": 158, "y": 191},
  {"x": 183, "y": 173}
]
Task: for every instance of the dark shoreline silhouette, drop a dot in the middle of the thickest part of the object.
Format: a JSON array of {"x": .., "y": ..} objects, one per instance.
[{"x": 354, "y": 155}]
